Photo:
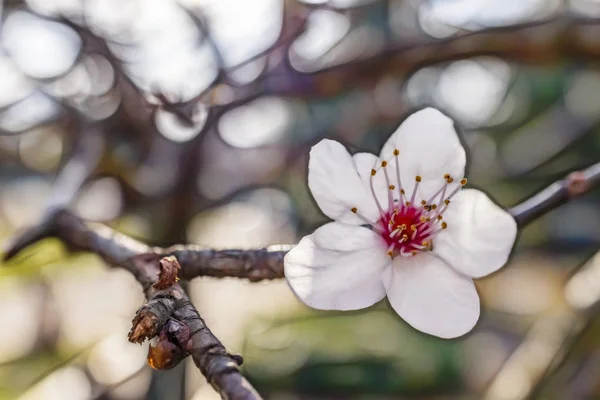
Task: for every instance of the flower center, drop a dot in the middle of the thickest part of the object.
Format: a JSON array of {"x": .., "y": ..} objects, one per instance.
[{"x": 408, "y": 228}]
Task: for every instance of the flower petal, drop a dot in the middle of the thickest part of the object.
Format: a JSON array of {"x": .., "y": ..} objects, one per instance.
[
  {"x": 365, "y": 162},
  {"x": 431, "y": 296},
  {"x": 479, "y": 237},
  {"x": 336, "y": 186},
  {"x": 429, "y": 147},
  {"x": 338, "y": 267}
]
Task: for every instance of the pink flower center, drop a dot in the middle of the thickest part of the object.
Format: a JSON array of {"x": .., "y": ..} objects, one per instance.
[
  {"x": 405, "y": 227},
  {"x": 406, "y": 230}
]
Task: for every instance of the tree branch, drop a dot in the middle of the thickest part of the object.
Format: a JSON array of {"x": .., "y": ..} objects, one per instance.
[
  {"x": 557, "y": 194},
  {"x": 254, "y": 265},
  {"x": 168, "y": 313}
]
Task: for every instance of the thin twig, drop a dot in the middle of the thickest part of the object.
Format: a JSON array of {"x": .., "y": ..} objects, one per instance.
[{"x": 555, "y": 195}]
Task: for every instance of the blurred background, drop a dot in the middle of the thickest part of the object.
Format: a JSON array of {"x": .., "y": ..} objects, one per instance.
[{"x": 190, "y": 122}]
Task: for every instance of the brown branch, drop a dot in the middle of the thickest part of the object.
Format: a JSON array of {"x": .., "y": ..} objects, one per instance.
[
  {"x": 168, "y": 313},
  {"x": 254, "y": 265}
]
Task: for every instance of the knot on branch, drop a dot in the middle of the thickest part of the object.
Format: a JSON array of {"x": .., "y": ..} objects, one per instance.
[
  {"x": 171, "y": 347},
  {"x": 157, "y": 319},
  {"x": 577, "y": 184},
  {"x": 169, "y": 269}
]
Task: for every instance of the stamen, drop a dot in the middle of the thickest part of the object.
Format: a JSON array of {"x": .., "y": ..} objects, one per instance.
[
  {"x": 395, "y": 232},
  {"x": 387, "y": 181},
  {"x": 390, "y": 250},
  {"x": 447, "y": 201},
  {"x": 443, "y": 194},
  {"x": 401, "y": 191},
  {"x": 436, "y": 194},
  {"x": 405, "y": 253},
  {"x": 373, "y": 172},
  {"x": 417, "y": 181},
  {"x": 366, "y": 220}
]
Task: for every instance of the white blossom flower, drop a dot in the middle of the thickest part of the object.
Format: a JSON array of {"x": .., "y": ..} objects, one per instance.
[{"x": 402, "y": 228}]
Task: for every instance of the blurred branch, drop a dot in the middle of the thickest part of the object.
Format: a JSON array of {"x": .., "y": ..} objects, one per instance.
[
  {"x": 555, "y": 195},
  {"x": 551, "y": 339},
  {"x": 541, "y": 42},
  {"x": 78, "y": 168}
]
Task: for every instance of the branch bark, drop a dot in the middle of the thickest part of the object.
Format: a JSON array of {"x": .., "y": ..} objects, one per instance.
[
  {"x": 168, "y": 313},
  {"x": 557, "y": 194}
]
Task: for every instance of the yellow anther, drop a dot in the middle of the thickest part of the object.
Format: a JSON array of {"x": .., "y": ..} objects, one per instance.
[
  {"x": 395, "y": 211},
  {"x": 439, "y": 217},
  {"x": 463, "y": 181},
  {"x": 447, "y": 201},
  {"x": 408, "y": 204},
  {"x": 396, "y": 152},
  {"x": 425, "y": 243},
  {"x": 418, "y": 178},
  {"x": 391, "y": 187},
  {"x": 384, "y": 163},
  {"x": 373, "y": 172},
  {"x": 444, "y": 225},
  {"x": 402, "y": 227},
  {"x": 446, "y": 176},
  {"x": 433, "y": 206},
  {"x": 354, "y": 210},
  {"x": 413, "y": 228},
  {"x": 423, "y": 218},
  {"x": 414, "y": 252},
  {"x": 402, "y": 191},
  {"x": 405, "y": 237},
  {"x": 450, "y": 180},
  {"x": 423, "y": 202},
  {"x": 389, "y": 253}
]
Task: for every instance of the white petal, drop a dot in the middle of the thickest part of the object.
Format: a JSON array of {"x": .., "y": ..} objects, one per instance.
[
  {"x": 431, "y": 296},
  {"x": 365, "y": 162},
  {"x": 338, "y": 267},
  {"x": 479, "y": 237},
  {"x": 429, "y": 147},
  {"x": 336, "y": 186}
]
